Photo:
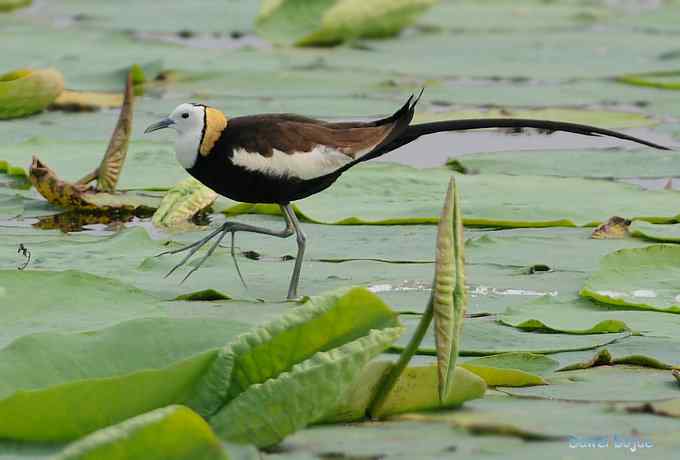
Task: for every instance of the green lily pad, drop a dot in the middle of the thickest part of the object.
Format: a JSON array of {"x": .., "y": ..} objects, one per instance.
[
  {"x": 662, "y": 80},
  {"x": 575, "y": 163},
  {"x": 534, "y": 419},
  {"x": 669, "y": 233},
  {"x": 415, "y": 390},
  {"x": 512, "y": 369},
  {"x": 393, "y": 194},
  {"x": 324, "y": 22},
  {"x": 482, "y": 337},
  {"x": 25, "y": 92},
  {"x": 582, "y": 316},
  {"x": 641, "y": 278},
  {"x": 9, "y": 5},
  {"x": 173, "y": 433},
  {"x": 606, "y": 383}
]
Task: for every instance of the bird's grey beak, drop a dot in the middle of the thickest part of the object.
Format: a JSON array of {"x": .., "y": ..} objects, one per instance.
[{"x": 164, "y": 123}]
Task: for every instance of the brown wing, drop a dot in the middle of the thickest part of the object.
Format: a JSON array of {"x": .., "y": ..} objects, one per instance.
[{"x": 295, "y": 134}]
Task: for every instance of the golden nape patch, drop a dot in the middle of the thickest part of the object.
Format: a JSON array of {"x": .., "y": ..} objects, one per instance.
[{"x": 215, "y": 122}]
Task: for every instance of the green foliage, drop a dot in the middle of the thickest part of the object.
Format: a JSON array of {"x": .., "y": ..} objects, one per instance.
[
  {"x": 638, "y": 278},
  {"x": 170, "y": 433},
  {"x": 330, "y": 22},
  {"x": 25, "y": 92}
]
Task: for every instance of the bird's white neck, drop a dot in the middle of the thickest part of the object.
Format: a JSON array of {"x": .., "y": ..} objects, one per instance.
[{"x": 186, "y": 147}]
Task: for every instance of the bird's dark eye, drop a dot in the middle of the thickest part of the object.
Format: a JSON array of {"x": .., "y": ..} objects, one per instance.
[{"x": 185, "y": 115}]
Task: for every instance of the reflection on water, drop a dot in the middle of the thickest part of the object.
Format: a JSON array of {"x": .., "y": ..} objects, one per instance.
[{"x": 71, "y": 221}]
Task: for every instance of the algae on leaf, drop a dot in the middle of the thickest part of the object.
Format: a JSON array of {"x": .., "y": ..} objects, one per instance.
[
  {"x": 330, "y": 22},
  {"x": 24, "y": 92}
]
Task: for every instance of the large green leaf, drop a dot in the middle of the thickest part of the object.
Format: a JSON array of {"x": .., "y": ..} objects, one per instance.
[
  {"x": 643, "y": 278},
  {"x": 25, "y": 92},
  {"x": 581, "y": 316},
  {"x": 483, "y": 337},
  {"x": 53, "y": 396},
  {"x": 606, "y": 383},
  {"x": 655, "y": 232},
  {"x": 265, "y": 413},
  {"x": 173, "y": 432},
  {"x": 391, "y": 194},
  {"x": 415, "y": 389},
  {"x": 35, "y": 301},
  {"x": 329, "y": 22},
  {"x": 575, "y": 163}
]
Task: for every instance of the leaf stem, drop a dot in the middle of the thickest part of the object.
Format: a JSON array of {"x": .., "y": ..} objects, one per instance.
[{"x": 390, "y": 379}]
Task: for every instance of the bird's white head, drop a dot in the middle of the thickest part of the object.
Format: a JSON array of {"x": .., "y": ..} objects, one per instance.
[{"x": 198, "y": 128}]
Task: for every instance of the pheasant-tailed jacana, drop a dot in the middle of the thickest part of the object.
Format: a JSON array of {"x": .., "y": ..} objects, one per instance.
[{"x": 280, "y": 158}]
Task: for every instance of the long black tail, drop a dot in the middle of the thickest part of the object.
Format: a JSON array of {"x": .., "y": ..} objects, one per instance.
[{"x": 413, "y": 132}]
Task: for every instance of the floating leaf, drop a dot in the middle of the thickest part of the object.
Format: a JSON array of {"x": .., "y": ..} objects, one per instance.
[
  {"x": 72, "y": 195},
  {"x": 60, "y": 399},
  {"x": 182, "y": 202},
  {"x": 394, "y": 194},
  {"x": 415, "y": 390},
  {"x": 172, "y": 433},
  {"x": 641, "y": 278},
  {"x": 330, "y": 22},
  {"x": 511, "y": 369},
  {"x": 604, "y": 383},
  {"x": 24, "y": 92},
  {"x": 9, "y": 5},
  {"x": 265, "y": 413},
  {"x": 591, "y": 163},
  {"x": 86, "y": 101},
  {"x": 667, "y": 79},
  {"x": 449, "y": 292},
  {"x": 293, "y": 371},
  {"x": 669, "y": 233}
]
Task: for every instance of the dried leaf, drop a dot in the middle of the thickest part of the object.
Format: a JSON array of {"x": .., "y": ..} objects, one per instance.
[
  {"x": 86, "y": 101},
  {"x": 84, "y": 198},
  {"x": 114, "y": 158},
  {"x": 449, "y": 295}
]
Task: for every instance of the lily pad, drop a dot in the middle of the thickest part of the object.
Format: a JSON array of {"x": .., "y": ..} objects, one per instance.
[
  {"x": 172, "y": 433},
  {"x": 9, "y": 5},
  {"x": 581, "y": 316},
  {"x": 483, "y": 337},
  {"x": 641, "y": 278},
  {"x": 606, "y": 383},
  {"x": 182, "y": 202},
  {"x": 669, "y": 233},
  {"x": 81, "y": 197},
  {"x": 662, "y": 80},
  {"x": 25, "y": 92},
  {"x": 324, "y": 22},
  {"x": 393, "y": 194},
  {"x": 415, "y": 390},
  {"x": 576, "y": 163}
]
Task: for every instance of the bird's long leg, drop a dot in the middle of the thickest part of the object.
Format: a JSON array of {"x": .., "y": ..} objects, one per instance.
[
  {"x": 301, "y": 243},
  {"x": 228, "y": 227}
]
